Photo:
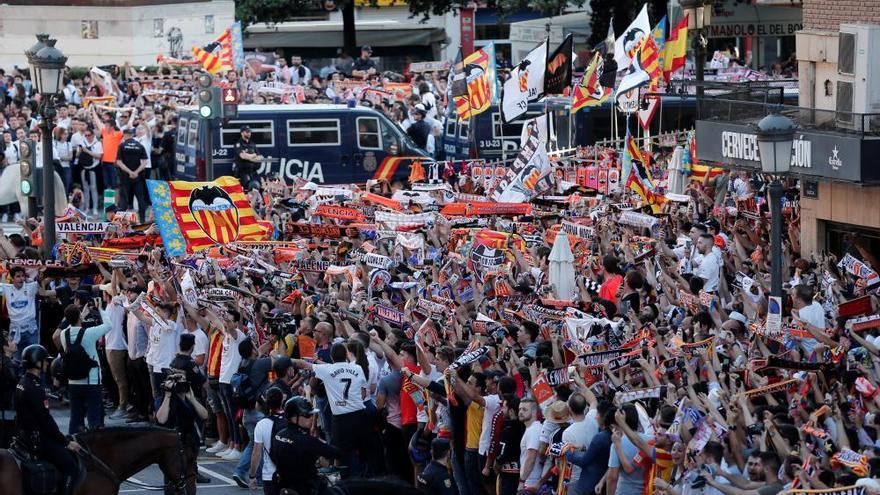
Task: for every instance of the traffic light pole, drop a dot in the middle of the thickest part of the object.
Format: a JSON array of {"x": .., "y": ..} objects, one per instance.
[
  {"x": 209, "y": 149},
  {"x": 48, "y": 179}
]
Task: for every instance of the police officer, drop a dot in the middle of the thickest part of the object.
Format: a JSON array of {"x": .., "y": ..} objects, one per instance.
[
  {"x": 436, "y": 478},
  {"x": 419, "y": 130},
  {"x": 8, "y": 380},
  {"x": 131, "y": 160},
  {"x": 246, "y": 159},
  {"x": 35, "y": 427},
  {"x": 294, "y": 450}
]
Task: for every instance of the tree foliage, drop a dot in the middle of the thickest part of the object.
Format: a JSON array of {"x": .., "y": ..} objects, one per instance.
[{"x": 623, "y": 12}]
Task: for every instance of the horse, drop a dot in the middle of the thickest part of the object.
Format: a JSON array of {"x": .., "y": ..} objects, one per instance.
[
  {"x": 10, "y": 189},
  {"x": 112, "y": 455}
]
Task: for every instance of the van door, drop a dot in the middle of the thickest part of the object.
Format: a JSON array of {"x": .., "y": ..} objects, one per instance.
[
  {"x": 315, "y": 151},
  {"x": 372, "y": 147}
]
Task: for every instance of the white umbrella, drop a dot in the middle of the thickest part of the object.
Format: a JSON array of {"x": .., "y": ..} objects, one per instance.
[
  {"x": 675, "y": 182},
  {"x": 562, "y": 268}
]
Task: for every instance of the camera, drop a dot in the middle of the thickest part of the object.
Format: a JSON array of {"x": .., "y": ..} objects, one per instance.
[
  {"x": 176, "y": 383},
  {"x": 281, "y": 324},
  {"x": 755, "y": 429}
]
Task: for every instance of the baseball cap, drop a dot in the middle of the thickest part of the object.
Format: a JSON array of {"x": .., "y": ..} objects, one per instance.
[
  {"x": 421, "y": 109},
  {"x": 128, "y": 131},
  {"x": 244, "y": 128},
  {"x": 367, "y": 48}
]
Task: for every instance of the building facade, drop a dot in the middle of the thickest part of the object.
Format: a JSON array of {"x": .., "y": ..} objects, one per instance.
[
  {"x": 839, "y": 73},
  {"x": 99, "y": 32}
]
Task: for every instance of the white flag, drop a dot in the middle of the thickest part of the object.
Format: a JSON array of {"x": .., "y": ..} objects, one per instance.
[
  {"x": 639, "y": 28},
  {"x": 525, "y": 85},
  {"x": 524, "y": 178}
]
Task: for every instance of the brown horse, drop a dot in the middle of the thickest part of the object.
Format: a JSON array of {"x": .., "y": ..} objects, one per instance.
[{"x": 112, "y": 455}]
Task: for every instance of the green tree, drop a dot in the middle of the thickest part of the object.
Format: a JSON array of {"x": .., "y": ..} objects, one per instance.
[
  {"x": 276, "y": 11},
  {"x": 623, "y": 12}
]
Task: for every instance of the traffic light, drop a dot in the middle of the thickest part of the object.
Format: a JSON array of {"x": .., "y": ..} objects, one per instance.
[
  {"x": 208, "y": 97},
  {"x": 230, "y": 103},
  {"x": 29, "y": 185}
]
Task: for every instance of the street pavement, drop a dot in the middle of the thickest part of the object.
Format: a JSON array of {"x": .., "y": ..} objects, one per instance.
[{"x": 218, "y": 470}]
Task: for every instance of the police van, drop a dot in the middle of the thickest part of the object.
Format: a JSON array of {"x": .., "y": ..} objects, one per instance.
[{"x": 326, "y": 144}]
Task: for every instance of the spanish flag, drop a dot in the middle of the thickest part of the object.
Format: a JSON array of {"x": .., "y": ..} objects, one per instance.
[
  {"x": 675, "y": 52},
  {"x": 193, "y": 216}
]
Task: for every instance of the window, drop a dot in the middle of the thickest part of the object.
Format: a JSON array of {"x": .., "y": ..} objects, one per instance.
[
  {"x": 193, "y": 133},
  {"x": 463, "y": 128},
  {"x": 313, "y": 132},
  {"x": 89, "y": 30},
  {"x": 368, "y": 133},
  {"x": 511, "y": 129},
  {"x": 158, "y": 28},
  {"x": 450, "y": 127},
  {"x": 262, "y": 133},
  {"x": 209, "y": 24},
  {"x": 181, "y": 132}
]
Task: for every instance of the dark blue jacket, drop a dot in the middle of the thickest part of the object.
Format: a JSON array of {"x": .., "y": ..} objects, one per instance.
[{"x": 593, "y": 463}]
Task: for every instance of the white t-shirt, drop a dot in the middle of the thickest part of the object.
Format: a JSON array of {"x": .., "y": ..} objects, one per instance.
[
  {"x": 344, "y": 383},
  {"x": 493, "y": 403},
  {"x": 115, "y": 340},
  {"x": 708, "y": 267},
  {"x": 531, "y": 440},
  {"x": 230, "y": 358},
  {"x": 20, "y": 303},
  {"x": 581, "y": 434},
  {"x": 263, "y": 435},
  {"x": 813, "y": 314},
  {"x": 164, "y": 343},
  {"x": 201, "y": 346}
]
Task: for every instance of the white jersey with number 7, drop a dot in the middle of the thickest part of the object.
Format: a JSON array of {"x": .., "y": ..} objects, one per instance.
[{"x": 344, "y": 383}]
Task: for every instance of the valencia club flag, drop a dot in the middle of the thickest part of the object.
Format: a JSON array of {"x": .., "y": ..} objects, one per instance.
[
  {"x": 590, "y": 92},
  {"x": 192, "y": 216},
  {"x": 558, "y": 73},
  {"x": 476, "y": 85}
]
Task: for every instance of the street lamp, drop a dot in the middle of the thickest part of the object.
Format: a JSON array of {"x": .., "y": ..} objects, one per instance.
[
  {"x": 775, "y": 138},
  {"x": 699, "y": 13},
  {"x": 47, "y": 70}
]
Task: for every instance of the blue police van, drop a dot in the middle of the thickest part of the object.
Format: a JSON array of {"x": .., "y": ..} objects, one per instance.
[{"x": 326, "y": 144}]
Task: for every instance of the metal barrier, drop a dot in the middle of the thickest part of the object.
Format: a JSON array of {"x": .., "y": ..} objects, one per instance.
[{"x": 745, "y": 111}]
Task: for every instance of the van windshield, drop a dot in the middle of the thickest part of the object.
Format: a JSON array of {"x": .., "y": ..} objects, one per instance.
[{"x": 391, "y": 134}]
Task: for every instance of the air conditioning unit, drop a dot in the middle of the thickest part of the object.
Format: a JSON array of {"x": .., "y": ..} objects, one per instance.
[{"x": 858, "y": 80}]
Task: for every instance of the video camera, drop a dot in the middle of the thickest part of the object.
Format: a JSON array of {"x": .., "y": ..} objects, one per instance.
[
  {"x": 176, "y": 382},
  {"x": 281, "y": 324}
]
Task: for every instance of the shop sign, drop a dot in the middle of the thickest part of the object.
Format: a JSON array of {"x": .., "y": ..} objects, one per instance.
[{"x": 828, "y": 155}]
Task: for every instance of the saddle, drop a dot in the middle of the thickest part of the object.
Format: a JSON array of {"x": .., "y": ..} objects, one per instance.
[{"x": 39, "y": 477}]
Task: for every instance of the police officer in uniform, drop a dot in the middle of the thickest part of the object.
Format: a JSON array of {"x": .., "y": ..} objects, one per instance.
[
  {"x": 295, "y": 451},
  {"x": 8, "y": 380},
  {"x": 131, "y": 160},
  {"x": 35, "y": 427},
  {"x": 436, "y": 478},
  {"x": 419, "y": 130},
  {"x": 247, "y": 160}
]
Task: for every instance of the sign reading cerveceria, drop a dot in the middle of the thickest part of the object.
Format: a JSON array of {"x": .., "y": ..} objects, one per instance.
[{"x": 833, "y": 156}]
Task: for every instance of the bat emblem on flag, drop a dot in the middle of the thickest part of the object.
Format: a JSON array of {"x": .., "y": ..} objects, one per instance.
[{"x": 215, "y": 213}]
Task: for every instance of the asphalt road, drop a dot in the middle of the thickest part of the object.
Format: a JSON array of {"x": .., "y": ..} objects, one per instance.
[{"x": 218, "y": 470}]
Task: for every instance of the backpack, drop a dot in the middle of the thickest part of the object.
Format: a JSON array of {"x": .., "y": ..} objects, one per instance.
[
  {"x": 85, "y": 160},
  {"x": 76, "y": 361},
  {"x": 244, "y": 391}
]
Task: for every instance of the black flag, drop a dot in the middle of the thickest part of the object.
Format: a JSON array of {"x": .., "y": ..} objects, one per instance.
[{"x": 557, "y": 76}]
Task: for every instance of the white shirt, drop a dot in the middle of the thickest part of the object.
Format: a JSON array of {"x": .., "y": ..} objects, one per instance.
[
  {"x": 581, "y": 435},
  {"x": 147, "y": 142},
  {"x": 12, "y": 153},
  {"x": 201, "y": 346},
  {"x": 62, "y": 148},
  {"x": 20, "y": 303},
  {"x": 531, "y": 440},
  {"x": 708, "y": 268},
  {"x": 164, "y": 342},
  {"x": 493, "y": 403},
  {"x": 115, "y": 340},
  {"x": 344, "y": 383},
  {"x": 230, "y": 358},
  {"x": 813, "y": 314},
  {"x": 263, "y": 435}
]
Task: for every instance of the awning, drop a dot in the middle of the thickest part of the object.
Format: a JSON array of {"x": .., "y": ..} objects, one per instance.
[{"x": 332, "y": 39}]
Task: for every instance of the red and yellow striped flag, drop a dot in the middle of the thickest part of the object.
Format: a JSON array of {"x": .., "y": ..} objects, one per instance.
[{"x": 212, "y": 213}]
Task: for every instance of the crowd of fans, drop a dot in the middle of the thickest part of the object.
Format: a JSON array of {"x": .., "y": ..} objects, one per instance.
[{"x": 395, "y": 350}]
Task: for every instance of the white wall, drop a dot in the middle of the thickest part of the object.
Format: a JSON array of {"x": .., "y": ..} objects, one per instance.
[{"x": 124, "y": 33}]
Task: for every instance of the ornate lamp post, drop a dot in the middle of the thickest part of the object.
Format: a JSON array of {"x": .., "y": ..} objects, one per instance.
[
  {"x": 47, "y": 70},
  {"x": 775, "y": 137}
]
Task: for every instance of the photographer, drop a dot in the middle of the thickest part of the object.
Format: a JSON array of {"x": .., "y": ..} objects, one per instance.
[
  {"x": 181, "y": 411},
  {"x": 81, "y": 355}
]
